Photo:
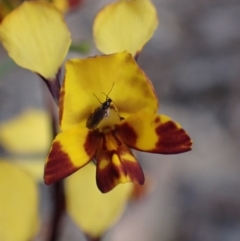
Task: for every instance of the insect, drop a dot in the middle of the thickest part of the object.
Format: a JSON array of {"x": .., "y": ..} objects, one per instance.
[{"x": 100, "y": 113}]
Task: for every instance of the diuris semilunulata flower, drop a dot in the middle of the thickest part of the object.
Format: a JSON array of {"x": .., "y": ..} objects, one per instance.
[{"x": 135, "y": 125}]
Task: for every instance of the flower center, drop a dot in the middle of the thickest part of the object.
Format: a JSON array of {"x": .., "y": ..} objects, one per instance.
[{"x": 108, "y": 123}]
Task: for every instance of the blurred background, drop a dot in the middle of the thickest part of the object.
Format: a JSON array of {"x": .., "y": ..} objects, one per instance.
[{"x": 193, "y": 61}]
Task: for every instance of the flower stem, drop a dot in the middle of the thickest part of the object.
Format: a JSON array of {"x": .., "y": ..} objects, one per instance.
[
  {"x": 93, "y": 239},
  {"x": 53, "y": 86},
  {"x": 58, "y": 192},
  {"x": 58, "y": 210}
]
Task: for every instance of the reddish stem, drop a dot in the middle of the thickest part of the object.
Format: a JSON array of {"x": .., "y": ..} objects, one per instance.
[
  {"x": 58, "y": 192},
  {"x": 92, "y": 239},
  {"x": 59, "y": 206},
  {"x": 53, "y": 85}
]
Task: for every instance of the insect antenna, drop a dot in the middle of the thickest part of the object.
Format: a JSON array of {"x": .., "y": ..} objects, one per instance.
[
  {"x": 97, "y": 98},
  {"x": 108, "y": 92}
]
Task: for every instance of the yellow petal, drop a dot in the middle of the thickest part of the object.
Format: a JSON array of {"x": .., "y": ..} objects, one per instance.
[
  {"x": 62, "y": 5},
  {"x": 36, "y": 37},
  {"x": 153, "y": 133},
  {"x": 98, "y": 75},
  {"x": 19, "y": 204},
  {"x": 32, "y": 166},
  {"x": 125, "y": 25},
  {"x": 71, "y": 150},
  {"x": 27, "y": 133},
  {"x": 116, "y": 164},
  {"x": 94, "y": 212}
]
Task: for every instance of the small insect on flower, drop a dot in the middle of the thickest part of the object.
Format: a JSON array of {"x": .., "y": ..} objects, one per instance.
[{"x": 103, "y": 111}]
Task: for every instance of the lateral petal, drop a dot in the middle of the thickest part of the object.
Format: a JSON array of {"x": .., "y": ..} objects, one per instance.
[
  {"x": 153, "y": 133},
  {"x": 70, "y": 151},
  {"x": 116, "y": 164},
  {"x": 125, "y": 25},
  {"x": 36, "y": 37}
]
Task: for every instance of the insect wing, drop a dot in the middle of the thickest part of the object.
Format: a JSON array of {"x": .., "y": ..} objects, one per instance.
[{"x": 96, "y": 117}]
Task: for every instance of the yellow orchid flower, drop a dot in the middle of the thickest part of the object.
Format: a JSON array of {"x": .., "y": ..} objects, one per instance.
[
  {"x": 34, "y": 125},
  {"x": 126, "y": 118},
  {"x": 36, "y": 37},
  {"x": 125, "y": 25}
]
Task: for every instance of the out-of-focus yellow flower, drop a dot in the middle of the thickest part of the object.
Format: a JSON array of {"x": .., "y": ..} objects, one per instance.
[
  {"x": 125, "y": 25},
  {"x": 19, "y": 204},
  {"x": 36, "y": 37},
  {"x": 27, "y": 133},
  {"x": 126, "y": 118},
  {"x": 92, "y": 211}
]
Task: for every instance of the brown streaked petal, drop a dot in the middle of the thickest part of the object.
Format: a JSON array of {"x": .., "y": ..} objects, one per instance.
[
  {"x": 58, "y": 166},
  {"x": 153, "y": 133},
  {"x": 116, "y": 164},
  {"x": 70, "y": 151}
]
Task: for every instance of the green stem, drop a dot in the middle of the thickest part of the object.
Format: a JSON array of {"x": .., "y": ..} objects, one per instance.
[{"x": 83, "y": 47}]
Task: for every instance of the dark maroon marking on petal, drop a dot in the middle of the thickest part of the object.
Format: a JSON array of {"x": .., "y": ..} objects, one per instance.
[
  {"x": 172, "y": 140},
  {"x": 109, "y": 176},
  {"x": 134, "y": 171},
  {"x": 106, "y": 177},
  {"x": 105, "y": 181},
  {"x": 115, "y": 171},
  {"x": 126, "y": 132},
  {"x": 116, "y": 138},
  {"x": 157, "y": 119},
  {"x": 104, "y": 143},
  {"x": 58, "y": 165},
  {"x": 92, "y": 141}
]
